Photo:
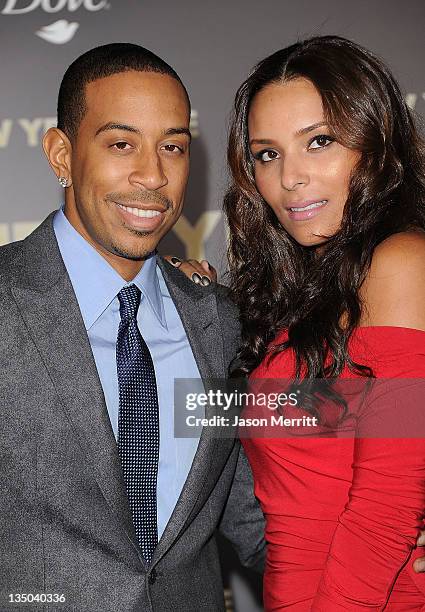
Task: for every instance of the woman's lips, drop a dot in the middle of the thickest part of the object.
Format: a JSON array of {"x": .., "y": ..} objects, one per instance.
[{"x": 301, "y": 211}]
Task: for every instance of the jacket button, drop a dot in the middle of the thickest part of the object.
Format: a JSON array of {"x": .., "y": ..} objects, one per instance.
[{"x": 152, "y": 576}]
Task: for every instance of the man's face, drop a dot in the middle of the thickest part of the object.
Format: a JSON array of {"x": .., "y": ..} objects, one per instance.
[{"x": 129, "y": 165}]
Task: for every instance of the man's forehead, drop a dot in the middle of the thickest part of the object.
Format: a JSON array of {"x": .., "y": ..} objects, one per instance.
[
  {"x": 129, "y": 93},
  {"x": 132, "y": 81}
]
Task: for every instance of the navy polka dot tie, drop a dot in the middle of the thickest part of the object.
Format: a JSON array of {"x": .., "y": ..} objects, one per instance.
[{"x": 138, "y": 422}]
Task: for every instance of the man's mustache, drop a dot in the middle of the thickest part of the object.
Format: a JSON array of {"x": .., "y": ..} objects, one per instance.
[{"x": 154, "y": 197}]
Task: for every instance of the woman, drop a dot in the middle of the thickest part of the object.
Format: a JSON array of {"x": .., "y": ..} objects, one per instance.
[{"x": 327, "y": 261}]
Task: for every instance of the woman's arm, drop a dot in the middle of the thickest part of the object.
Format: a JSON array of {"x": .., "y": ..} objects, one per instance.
[{"x": 379, "y": 526}]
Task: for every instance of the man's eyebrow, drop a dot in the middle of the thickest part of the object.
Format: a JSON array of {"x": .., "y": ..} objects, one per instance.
[
  {"x": 117, "y": 126},
  {"x": 178, "y": 130},
  {"x": 301, "y": 132},
  {"x": 134, "y": 130}
]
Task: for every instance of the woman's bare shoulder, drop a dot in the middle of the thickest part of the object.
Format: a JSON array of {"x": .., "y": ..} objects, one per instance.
[{"x": 393, "y": 292}]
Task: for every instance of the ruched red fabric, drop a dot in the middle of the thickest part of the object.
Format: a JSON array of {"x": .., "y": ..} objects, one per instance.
[{"x": 343, "y": 514}]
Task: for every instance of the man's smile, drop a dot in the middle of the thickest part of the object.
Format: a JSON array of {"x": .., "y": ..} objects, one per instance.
[
  {"x": 140, "y": 212},
  {"x": 147, "y": 218}
]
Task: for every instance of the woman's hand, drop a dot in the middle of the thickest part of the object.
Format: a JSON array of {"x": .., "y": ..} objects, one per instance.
[
  {"x": 419, "y": 564},
  {"x": 200, "y": 272}
]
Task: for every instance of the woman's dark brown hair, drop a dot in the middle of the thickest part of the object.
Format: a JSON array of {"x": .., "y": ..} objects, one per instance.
[{"x": 279, "y": 284}]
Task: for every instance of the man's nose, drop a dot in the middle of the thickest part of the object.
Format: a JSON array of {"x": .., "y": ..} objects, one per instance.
[{"x": 148, "y": 173}]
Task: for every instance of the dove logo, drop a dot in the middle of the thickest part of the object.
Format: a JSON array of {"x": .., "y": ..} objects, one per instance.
[
  {"x": 52, "y": 6},
  {"x": 59, "y": 32}
]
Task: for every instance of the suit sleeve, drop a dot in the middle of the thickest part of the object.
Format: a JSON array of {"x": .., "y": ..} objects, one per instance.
[
  {"x": 377, "y": 530},
  {"x": 242, "y": 522}
]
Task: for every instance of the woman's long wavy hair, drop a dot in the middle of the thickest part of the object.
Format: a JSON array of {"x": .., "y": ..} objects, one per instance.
[{"x": 279, "y": 284}]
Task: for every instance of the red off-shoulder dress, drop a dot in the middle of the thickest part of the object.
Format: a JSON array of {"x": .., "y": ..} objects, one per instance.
[{"x": 343, "y": 513}]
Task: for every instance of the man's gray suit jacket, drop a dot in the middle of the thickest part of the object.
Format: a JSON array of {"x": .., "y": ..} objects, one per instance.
[{"x": 65, "y": 524}]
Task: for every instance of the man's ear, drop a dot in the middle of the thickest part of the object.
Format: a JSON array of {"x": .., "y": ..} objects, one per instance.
[{"x": 57, "y": 148}]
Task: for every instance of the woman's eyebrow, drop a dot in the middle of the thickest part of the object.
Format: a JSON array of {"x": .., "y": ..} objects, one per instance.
[
  {"x": 300, "y": 132},
  {"x": 310, "y": 128}
]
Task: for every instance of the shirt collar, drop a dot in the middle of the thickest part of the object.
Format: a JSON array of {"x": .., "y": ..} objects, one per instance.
[{"x": 95, "y": 281}]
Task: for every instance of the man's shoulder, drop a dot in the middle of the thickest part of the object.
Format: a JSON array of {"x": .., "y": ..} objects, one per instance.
[
  {"x": 227, "y": 311},
  {"x": 225, "y": 302},
  {"x": 10, "y": 250},
  {"x": 10, "y": 255},
  {"x": 38, "y": 250},
  {"x": 223, "y": 292}
]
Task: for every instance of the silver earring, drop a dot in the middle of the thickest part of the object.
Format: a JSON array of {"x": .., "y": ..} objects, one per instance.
[{"x": 63, "y": 181}]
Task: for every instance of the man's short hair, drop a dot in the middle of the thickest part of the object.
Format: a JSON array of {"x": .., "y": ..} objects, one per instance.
[{"x": 99, "y": 63}]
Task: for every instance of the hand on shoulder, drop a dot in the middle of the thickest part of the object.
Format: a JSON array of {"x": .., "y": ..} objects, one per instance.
[
  {"x": 393, "y": 292},
  {"x": 200, "y": 272}
]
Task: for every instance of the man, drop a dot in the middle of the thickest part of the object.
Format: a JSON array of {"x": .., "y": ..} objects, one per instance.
[{"x": 102, "y": 509}]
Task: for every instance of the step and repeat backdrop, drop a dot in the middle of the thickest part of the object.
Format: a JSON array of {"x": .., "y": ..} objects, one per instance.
[{"x": 212, "y": 45}]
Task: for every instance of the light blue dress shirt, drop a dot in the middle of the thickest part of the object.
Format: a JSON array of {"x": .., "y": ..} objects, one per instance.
[{"x": 96, "y": 285}]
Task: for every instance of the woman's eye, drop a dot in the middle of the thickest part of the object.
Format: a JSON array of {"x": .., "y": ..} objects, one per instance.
[
  {"x": 320, "y": 141},
  {"x": 121, "y": 146},
  {"x": 267, "y": 155}
]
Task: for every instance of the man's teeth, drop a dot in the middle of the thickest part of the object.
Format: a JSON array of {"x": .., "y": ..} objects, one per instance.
[
  {"x": 310, "y": 206},
  {"x": 138, "y": 212}
]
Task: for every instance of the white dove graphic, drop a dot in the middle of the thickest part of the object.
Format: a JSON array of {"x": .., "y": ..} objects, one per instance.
[{"x": 59, "y": 32}]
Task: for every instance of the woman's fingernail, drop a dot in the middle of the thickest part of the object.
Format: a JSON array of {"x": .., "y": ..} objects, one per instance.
[
  {"x": 206, "y": 281},
  {"x": 420, "y": 565},
  {"x": 176, "y": 261},
  {"x": 196, "y": 278}
]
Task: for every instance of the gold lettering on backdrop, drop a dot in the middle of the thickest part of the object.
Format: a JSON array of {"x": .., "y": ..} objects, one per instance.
[
  {"x": 21, "y": 229},
  {"x": 49, "y": 122},
  {"x": 5, "y": 131},
  {"x": 195, "y": 236},
  {"x": 32, "y": 128},
  {"x": 4, "y": 233},
  {"x": 411, "y": 99},
  {"x": 194, "y": 123}
]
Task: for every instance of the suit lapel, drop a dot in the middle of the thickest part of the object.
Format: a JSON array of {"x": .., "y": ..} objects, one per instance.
[
  {"x": 47, "y": 303},
  {"x": 197, "y": 308}
]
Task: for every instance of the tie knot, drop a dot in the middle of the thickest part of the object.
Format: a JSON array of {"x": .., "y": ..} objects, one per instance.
[{"x": 129, "y": 299}]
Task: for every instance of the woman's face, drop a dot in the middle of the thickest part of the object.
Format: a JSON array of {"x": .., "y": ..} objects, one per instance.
[{"x": 300, "y": 170}]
